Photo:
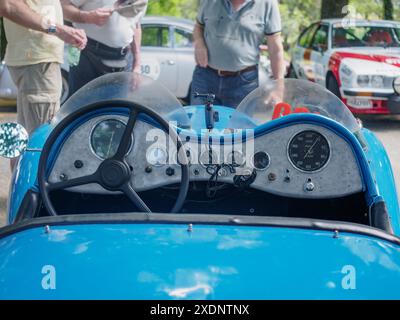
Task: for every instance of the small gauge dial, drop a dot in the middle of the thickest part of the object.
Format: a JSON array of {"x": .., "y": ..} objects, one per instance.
[
  {"x": 106, "y": 136},
  {"x": 208, "y": 157},
  {"x": 261, "y": 160},
  {"x": 236, "y": 158},
  {"x": 309, "y": 151},
  {"x": 157, "y": 156}
]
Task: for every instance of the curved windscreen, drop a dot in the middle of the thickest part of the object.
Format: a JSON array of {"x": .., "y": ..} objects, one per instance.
[
  {"x": 131, "y": 87},
  {"x": 275, "y": 99}
]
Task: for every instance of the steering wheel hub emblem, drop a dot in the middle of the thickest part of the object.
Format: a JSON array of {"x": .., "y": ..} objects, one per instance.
[{"x": 114, "y": 174}]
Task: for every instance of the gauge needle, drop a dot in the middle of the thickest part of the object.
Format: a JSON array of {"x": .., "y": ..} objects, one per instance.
[
  {"x": 312, "y": 147},
  {"x": 111, "y": 143}
]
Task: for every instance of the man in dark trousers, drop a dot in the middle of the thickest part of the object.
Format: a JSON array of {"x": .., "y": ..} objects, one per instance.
[
  {"x": 227, "y": 36},
  {"x": 111, "y": 32}
]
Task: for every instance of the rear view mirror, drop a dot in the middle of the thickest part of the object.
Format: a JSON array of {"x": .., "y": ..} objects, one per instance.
[{"x": 13, "y": 140}]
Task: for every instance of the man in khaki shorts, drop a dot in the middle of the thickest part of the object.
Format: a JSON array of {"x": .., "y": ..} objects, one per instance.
[{"x": 34, "y": 59}]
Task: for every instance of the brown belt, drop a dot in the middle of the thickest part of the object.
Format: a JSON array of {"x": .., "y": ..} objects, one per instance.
[{"x": 223, "y": 73}]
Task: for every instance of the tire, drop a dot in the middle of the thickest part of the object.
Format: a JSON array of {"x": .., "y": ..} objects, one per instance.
[
  {"x": 291, "y": 74},
  {"x": 333, "y": 86},
  {"x": 65, "y": 86}
]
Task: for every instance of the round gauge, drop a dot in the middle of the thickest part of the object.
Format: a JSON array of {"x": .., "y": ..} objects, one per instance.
[
  {"x": 208, "y": 157},
  {"x": 309, "y": 151},
  {"x": 261, "y": 160},
  {"x": 106, "y": 136},
  {"x": 236, "y": 158},
  {"x": 187, "y": 156},
  {"x": 157, "y": 156}
]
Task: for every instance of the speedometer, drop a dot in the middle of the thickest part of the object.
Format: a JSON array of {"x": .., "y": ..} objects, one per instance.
[
  {"x": 106, "y": 136},
  {"x": 309, "y": 151}
]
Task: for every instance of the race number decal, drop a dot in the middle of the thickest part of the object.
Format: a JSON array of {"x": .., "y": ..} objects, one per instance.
[
  {"x": 150, "y": 68},
  {"x": 283, "y": 109}
]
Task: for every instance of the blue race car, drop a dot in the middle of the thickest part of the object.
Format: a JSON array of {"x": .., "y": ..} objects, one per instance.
[{"x": 128, "y": 195}]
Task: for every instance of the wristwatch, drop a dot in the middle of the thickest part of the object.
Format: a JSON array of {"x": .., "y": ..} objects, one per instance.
[{"x": 52, "y": 29}]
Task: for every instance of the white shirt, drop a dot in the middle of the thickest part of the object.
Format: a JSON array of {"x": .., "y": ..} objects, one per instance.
[{"x": 118, "y": 32}]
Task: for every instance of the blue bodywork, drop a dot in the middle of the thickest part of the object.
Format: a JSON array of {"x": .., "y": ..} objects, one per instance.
[{"x": 164, "y": 261}]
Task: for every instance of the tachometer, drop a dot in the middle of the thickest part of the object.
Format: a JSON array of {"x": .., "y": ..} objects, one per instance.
[
  {"x": 309, "y": 151},
  {"x": 106, "y": 136}
]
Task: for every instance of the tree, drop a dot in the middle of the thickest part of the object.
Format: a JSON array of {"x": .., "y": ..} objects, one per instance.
[
  {"x": 333, "y": 8},
  {"x": 388, "y": 9}
]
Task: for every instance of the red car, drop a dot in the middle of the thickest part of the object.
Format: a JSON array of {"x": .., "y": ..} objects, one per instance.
[{"x": 357, "y": 60}]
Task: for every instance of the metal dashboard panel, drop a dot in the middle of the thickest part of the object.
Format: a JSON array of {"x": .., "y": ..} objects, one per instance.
[{"x": 340, "y": 177}]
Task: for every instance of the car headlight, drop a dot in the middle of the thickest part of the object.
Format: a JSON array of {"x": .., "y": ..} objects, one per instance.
[
  {"x": 377, "y": 82},
  {"x": 363, "y": 81},
  {"x": 371, "y": 81},
  {"x": 396, "y": 85}
]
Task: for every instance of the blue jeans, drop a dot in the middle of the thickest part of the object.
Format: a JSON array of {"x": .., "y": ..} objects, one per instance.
[{"x": 229, "y": 91}]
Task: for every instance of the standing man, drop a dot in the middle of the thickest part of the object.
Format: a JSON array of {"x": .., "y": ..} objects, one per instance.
[
  {"x": 34, "y": 59},
  {"x": 110, "y": 37},
  {"x": 227, "y": 36}
]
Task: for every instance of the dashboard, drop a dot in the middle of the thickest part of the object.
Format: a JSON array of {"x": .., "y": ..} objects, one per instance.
[{"x": 300, "y": 161}]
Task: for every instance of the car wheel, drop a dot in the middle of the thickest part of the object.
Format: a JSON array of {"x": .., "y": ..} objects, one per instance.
[
  {"x": 291, "y": 73},
  {"x": 333, "y": 86},
  {"x": 65, "y": 86}
]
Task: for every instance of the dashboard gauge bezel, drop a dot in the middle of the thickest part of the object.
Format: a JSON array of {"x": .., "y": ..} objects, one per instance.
[
  {"x": 95, "y": 126},
  {"x": 269, "y": 160},
  {"x": 229, "y": 158},
  {"x": 160, "y": 147},
  {"x": 309, "y": 171}
]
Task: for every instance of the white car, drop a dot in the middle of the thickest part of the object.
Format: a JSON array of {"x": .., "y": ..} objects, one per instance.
[
  {"x": 167, "y": 56},
  {"x": 357, "y": 60},
  {"x": 168, "y": 53}
]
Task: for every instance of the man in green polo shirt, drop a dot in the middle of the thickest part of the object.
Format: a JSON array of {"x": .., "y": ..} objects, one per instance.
[{"x": 227, "y": 36}]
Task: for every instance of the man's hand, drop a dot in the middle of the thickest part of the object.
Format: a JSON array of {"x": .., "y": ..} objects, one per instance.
[
  {"x": 72, "y": 36},
  {"x": 201, "y": 54},
  {"x": 200, "y": 48},
  {"x": 98, "y": 17}
]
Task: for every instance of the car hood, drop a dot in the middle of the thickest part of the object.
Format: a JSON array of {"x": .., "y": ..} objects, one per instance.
[
  {"x": 170, "y": 261},
  {"x": 389, "y": 57}
]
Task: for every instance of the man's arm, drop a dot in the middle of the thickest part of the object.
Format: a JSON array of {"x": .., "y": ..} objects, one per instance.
[
  {"x": 276, "y": 55},
  {"x": 200, "y": 47},
  {"x": 20, "y": 13},
  {"x": 74, "y": 14},
  {"x": 135, "y": 47}
]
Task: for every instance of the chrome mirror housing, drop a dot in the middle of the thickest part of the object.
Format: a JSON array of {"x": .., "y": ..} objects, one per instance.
[{"x": 13, "y": 140}]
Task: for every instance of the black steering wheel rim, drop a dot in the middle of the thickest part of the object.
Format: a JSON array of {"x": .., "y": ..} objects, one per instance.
[{"x": 117, "y": 162}]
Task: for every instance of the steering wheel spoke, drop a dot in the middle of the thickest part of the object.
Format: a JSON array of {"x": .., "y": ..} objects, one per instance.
[
  {"x": 135, "y": 198},
  {"x": 62, "y": 185},
  {"x": 124, "y": 144}
]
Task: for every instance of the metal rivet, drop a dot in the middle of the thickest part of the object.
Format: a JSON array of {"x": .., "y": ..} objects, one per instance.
[
  {"x": 336, "y": 234},
  {"x": 47, "y": 229},
  {"x": 190, "y": 228}
]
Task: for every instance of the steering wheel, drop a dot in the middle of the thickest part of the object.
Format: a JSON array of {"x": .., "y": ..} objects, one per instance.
[{"x": 113, "y": 174}]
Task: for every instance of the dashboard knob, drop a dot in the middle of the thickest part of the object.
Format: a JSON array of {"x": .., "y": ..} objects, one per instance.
[
  {"x": 309, "y": 186},
  {"x": 170, "y": 171}
]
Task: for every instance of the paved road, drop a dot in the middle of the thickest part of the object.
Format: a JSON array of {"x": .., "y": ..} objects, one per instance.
[{"x": 386, "y": 127}]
